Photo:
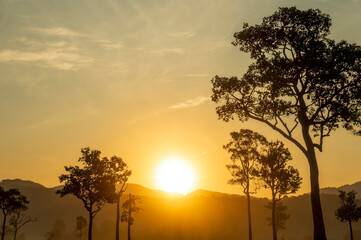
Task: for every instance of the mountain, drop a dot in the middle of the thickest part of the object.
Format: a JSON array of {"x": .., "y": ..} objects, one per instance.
[
  {"x": 348, "y": 187},
  {"x": 199, "y": 215}
]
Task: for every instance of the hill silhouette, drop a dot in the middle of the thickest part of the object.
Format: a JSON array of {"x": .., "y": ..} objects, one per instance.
[
  {"x": 199, "y": 215},
  {"x": 348, "y": 187}
]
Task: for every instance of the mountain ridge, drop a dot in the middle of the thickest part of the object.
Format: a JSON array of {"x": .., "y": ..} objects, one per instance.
[{"x": 201, "y": 214}]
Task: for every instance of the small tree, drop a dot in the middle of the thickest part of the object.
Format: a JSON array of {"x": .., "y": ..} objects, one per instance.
[
  {"x": 18, "y": 219},
  {"x": 281, "y": 215},
  {"x": 94, "y": 184},
  {"x": 129, "y": 208},
  {"x": 277, "y": 176},
  {"x": 11, "y": 201},
  {"x": 244, "y": 149},
  {"x": 302, "y": 83},
  {"x": 81, "y": 223},
  {"x": 348, "y": 211}
]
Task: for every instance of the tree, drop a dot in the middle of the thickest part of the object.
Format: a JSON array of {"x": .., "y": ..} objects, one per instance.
[
  {"x": 302, "y": 83},
  {"x": 348, "y": 211},
  {"x": 18, "y": 219},
  {"x": 81, "y": 223},
  {"x": 244, "y": 149},
  {"x": 277, "y": 176},
  {"x": 121, "y": 174},
  {"x": 129, "y": 208},
  {"x": 58, "y": 232},
  {"x": 94, "y": 184},
  {"x": 281, "y": 215},
  {"x": 10, "y": 201}
]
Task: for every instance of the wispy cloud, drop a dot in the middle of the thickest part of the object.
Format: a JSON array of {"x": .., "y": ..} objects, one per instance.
[
  {"x": 197, "y": 75},
  {"x": 183, "y": 34},
  {"x": 169, "y": 50},
  {"x": 58, "y": 31},
  {"x": 54, "y": 58},
  {"x": 68, "y": 33},
  {"x": 190, "y": 103},
  {"x": 109, "y": 44}
]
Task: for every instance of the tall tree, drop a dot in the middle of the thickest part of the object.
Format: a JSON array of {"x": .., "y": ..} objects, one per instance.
[
  {"x": 244, "y": 149},
  {"x": 348, "y": 211},
  {"x": 129, "y": 208},
  {"x": 19, "y": 219},
  {"x": 277, "y": 176},
  {"x": 94, "y": 184},
  {"x": 10, "y": 201},
  {"x": 301, "y": 81},
  {"x": 121, "y": 173}
]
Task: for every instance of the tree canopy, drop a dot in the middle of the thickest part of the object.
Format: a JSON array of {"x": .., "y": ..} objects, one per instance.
[
  {"x": 11, "y": 201},
  {"x": 94, "y": 183},
  {"x": 348, "y": 211}
]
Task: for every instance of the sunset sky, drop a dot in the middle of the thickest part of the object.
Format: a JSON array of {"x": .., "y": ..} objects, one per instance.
[{"x": 132, "y": 78}]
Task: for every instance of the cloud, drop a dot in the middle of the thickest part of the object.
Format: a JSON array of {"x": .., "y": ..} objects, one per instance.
[
  {"x": 58, "y": 31},
  {"x": 190, "y": 103},
  {"x": 169, "y": 50},
  {"x": 183, "y": 34},
  {"x": 197, "y": 75},
  {"x": 55, "y": 58},
  {"x": 109, "y": 44}
]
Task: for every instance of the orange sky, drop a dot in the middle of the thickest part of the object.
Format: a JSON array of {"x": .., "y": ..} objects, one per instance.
[{"x": 132, "y": 78}]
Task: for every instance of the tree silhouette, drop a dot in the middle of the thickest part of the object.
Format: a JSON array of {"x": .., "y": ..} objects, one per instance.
[
  {"x": 302, "y": 83},
  {"x": 348, "y": 211},
  {"x": 19, "y": 219},
  {"x": 11, "y": 201},
  {"x": 129, "y": 208},
  {"x": 277, "y": 176},
  {"x": 81, "y": 223},
  {"x": 244, "y": 149},
  {"x": 281, "y": 215},
  {"x": 94, "y": 184},
  {"x": 121, "y": 174}
]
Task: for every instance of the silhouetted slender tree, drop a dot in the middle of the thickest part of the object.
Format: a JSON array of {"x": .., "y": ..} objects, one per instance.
[
  {"x": 81, "y": 223},
  {"x": 348, "y": 211},
  {"x": 244, "y": 149},
  {"x": 301, "y": 80},
  {"x": 129, "y": 208},
  {"x": 121, "y": 173},
  {"x": 94, "y": 184},
  {"x": 277, "y": 176},
  {"x": 18, "y": 219},
  {"x": 10, "y": 201}
]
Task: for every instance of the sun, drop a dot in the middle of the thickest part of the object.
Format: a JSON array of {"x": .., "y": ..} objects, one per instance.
[{"x": 175, "y": 175}]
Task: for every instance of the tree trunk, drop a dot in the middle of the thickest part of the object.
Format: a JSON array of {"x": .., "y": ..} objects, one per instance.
[
  {"x": 350, "y": 225},
  {"x": 15, "y": 233},
  {"x": 274, "y": 226},
  {"x": 319, "y": 232},
  {"x": 117, "y": 221},
  {"x": 4, "y": 223},
  {"x": 129, "y": 222},
  {"x": 249, "y": 217},
  {"x": 90, "y": 226}
]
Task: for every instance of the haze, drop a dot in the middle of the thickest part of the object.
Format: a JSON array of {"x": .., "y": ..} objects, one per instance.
[{"x": 132, "y": 78}]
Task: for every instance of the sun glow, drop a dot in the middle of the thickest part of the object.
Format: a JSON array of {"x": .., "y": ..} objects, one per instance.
[{"x": 175, "y": 175}]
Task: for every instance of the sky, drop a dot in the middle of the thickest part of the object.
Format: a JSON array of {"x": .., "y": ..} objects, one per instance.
[{"x": 132, "y": 78}]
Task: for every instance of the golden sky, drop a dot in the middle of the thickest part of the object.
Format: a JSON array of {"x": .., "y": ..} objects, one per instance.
[{"x": 132, "y": 78}]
